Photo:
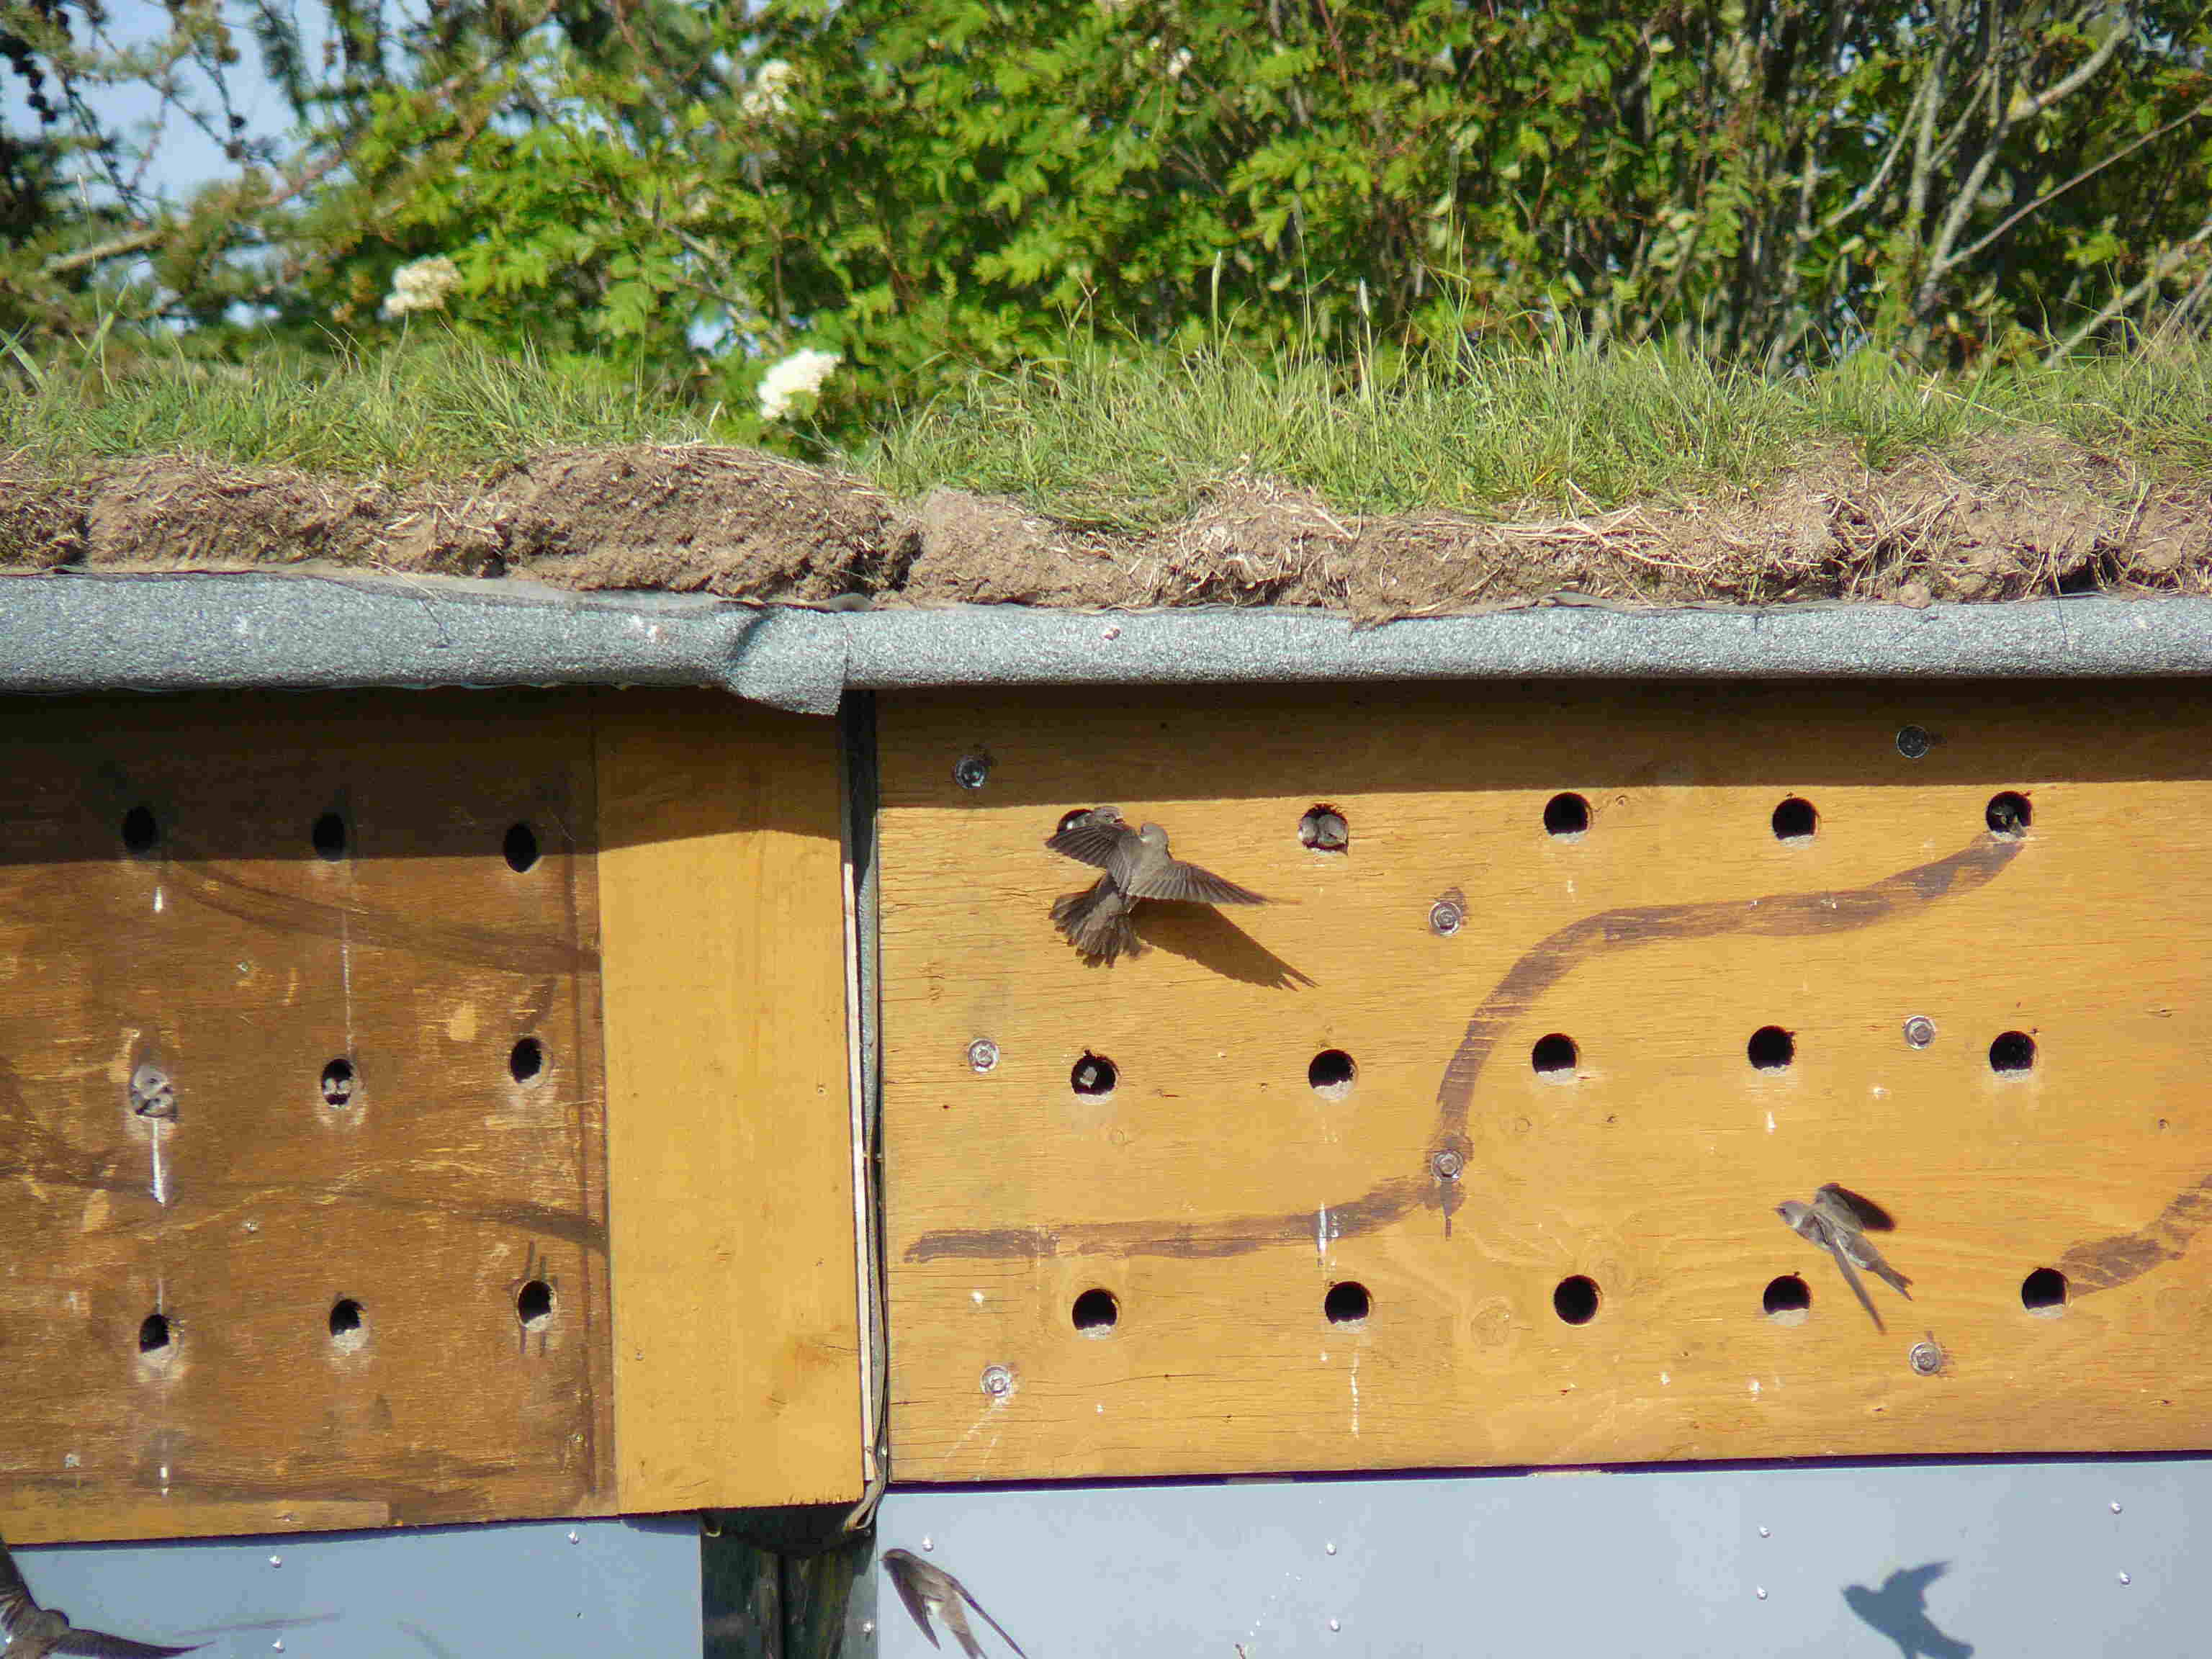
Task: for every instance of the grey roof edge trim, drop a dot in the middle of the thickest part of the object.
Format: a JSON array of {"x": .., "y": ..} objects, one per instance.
[{"x": 164, "y": 632}]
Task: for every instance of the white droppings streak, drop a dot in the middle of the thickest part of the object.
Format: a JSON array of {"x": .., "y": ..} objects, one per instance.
[
  {"x": 1770, "y": 1123},
  {"x": 976, "y": 1297},
  {"x": 157, "y": 901},
  {"x": 1355, "y": 1394},
  {"x": 1321, "y": 1235},
  {"x": 1754, "y": 1385},
  {"x": 160, "y": 1186},
  {"x": 1664, "y": 1379}
]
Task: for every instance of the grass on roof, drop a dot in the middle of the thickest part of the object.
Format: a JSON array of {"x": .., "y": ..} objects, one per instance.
[{"x": 1132, "y": 438}]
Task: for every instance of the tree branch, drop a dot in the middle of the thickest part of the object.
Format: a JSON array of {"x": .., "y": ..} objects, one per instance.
[
  {"x": 2161, "y": 269},
  {"x": 2053, "y": 194}
]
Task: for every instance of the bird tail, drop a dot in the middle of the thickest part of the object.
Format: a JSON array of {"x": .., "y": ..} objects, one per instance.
[{"x": 1096, "y": 921}]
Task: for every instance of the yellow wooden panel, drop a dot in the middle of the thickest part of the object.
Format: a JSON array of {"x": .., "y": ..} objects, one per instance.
[
  {"x": 304, "y": 913},
  {"x": 736, "y": 1312},
  {"x": 1218, "y": 1197}
]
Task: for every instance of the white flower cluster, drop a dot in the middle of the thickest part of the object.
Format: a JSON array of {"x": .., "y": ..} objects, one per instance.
[
  {"x": 420, "y": 286},
  {"x": 798, "y": 375},
  {"x": 766, "y": 99}
]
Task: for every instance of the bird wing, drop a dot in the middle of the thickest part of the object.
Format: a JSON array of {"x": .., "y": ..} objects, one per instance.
[
  {"x": 956, "y": 1622},
  {"x": 1860, "y": 1212},
  {"x": 986, "y": 1618},
  {"x": 98, "y": 1644},
  {"x": 903, "y": 1580},
  {"x": 1857, "y": 1285},
  {"x": 17, "y": 1606},
  {"x": 1177, "y": 881},
  {"x": 1093, "y": 840}
]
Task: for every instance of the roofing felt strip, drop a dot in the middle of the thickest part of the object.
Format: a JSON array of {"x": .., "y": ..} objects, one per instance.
[{"x": 78, "y": 633}]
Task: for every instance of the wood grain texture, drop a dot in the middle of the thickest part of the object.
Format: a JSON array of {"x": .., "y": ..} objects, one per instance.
[
  {"x": 1217, "y": 1197},
  {"x": 240, "y": 961},
  {"x": 737, "y": 1310}
]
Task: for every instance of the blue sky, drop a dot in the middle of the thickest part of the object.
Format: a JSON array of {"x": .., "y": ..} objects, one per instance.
[{"x": 183, "y": 156}]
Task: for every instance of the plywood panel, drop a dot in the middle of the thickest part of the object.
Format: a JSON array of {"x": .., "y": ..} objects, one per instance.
[
  {"x": 1218, "y": 1197},
  {"x": 737, "y": 1357},
  {"x": 304, "y": 913}
]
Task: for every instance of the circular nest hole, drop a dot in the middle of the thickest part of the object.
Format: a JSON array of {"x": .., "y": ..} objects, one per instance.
[
  {"x": 329, "y": 835},
  {"x": 1771, "y": 1049},
  {"x": 1093, "y": 1076},
  {"x": 1096, "y": 1312},
  {"x": 2008, "y": 815},
  {"x": 1330, "y": 1073},
  {"x": 521, "y": 847},
  {"x": 348, "y": 1325},
  {"x": 534, "y": 1305},
  {"x": 1795, "y": 820},
  {"x": 1554, "y": 1058},
  {"x": 1347, "y": 1304},
  {"x": 154, "y": 1335},
  {"x": 1324, "y": 829},
  {"x": 1576, "y": 1300},
  {"x": 526, "y": 1061},
  {"x": 339, "y": 1083},
  {"x": 1566, "y": 817},
  {"x": 2043, "y": 1292},
  {"x": 2013, "y": 1054},
  {"x": 142, "y": 830},
  {"x": 1788, "y": 1300}
]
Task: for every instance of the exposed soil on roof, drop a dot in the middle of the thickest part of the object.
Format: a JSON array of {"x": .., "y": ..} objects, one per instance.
[{"x": 2032, "y": 513}]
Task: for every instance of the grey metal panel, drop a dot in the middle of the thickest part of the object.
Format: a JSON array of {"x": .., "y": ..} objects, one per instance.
[
  {"x": 581, "y": 1590},
  {"x": 1708, "y": 1562},
  {"x": 79, "y": 633}
]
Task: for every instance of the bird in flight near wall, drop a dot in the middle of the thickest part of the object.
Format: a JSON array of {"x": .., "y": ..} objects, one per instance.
[{"x": 1138, "y": 866}]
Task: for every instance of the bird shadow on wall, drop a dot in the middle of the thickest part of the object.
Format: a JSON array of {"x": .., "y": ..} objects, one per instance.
[
  {"x": 1204, "y": 936},
  {"x": 1899, "y": 1609}
]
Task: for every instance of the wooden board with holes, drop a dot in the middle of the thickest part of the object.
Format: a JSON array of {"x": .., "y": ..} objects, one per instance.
[
  {"x": 1644, "y": 1032},
  {"x": 737, "y": 1357},
  {"x": 302, "y": 1201},
  {"x": 305, "y": 1202}
]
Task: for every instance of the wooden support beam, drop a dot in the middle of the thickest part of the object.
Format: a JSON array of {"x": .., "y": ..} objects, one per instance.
[{"x": 738, "y": 1359}]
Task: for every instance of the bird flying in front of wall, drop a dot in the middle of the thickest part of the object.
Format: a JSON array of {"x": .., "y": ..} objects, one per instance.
[
  {"x": 926, "y": 1590},
  {"x": 33, "y": 1632},
  {"x": 1138, "y": 866},
  {"x": 1833, "y": 1223}
]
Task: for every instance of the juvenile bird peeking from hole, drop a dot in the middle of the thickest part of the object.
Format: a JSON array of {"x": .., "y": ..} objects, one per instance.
[{"x": 1138, "y": 866}]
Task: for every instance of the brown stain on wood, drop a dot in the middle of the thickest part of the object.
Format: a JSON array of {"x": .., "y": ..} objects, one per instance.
[
  {"x": 1772, "y": 916},
  {"x": 1658, "y": 941}
]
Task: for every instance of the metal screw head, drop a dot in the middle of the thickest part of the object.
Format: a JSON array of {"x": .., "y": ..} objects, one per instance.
[
  {"x": 2125, "y": 1579},
  {"x": 1447, "y": 1164},
  {"x": 1913, "y": 741},
  {"x": 972, "y": 771},
  {"x": 998, "y": 1381},
  {"x": 1926, "y": 1358},
  {"x": 1444, "y": 918},
  {"x": 1919, "y": 1031},
  {"x": 983, "y": 1054}
]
